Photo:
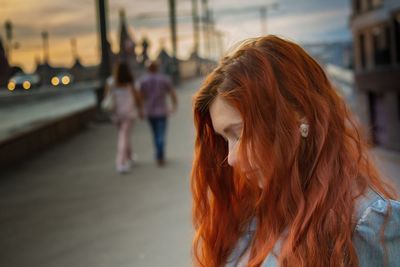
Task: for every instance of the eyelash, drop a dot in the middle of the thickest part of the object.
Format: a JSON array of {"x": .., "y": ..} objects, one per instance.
[{"x": 236, "y": 138}]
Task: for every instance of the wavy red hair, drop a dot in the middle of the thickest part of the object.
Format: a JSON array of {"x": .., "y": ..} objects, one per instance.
[{"x": 310, "y": 185}]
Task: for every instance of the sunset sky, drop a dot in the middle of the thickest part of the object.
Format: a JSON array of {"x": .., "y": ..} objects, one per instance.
[{"x": 304, "y": 21}]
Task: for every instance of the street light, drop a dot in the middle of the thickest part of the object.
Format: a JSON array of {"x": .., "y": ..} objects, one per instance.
[
  {"x": 172, "y": 17},
  {"x": 105, "y": 67},
  {"x": 45, "y": 38},
  {"x": 263, "y": 15},
  {"x": 195, "y": 18},
  {"x": 8, "y": 26}
]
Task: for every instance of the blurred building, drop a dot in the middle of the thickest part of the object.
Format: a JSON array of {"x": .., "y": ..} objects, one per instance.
[
  {"x": 84, "y": 73},
  {"x": 338, "y": 53},
  {"x": 4, "y": 66},
  {"x": 46, "y": 72},
  {"x": 375, "y": 25}
]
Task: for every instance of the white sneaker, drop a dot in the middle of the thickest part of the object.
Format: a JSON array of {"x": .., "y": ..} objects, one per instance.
[
  {"x": 135, "y": 157},
  {"x": 125, "y": 168}
]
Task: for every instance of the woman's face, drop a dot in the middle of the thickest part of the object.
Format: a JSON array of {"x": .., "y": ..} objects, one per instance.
[{"x": 228, "y": 123}]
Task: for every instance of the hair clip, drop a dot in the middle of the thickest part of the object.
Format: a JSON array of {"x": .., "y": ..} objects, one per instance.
[{"x": 304, "y": 129}]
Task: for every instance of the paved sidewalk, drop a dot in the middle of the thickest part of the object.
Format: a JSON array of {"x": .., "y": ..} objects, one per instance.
[{"x": 68, "y": 207}]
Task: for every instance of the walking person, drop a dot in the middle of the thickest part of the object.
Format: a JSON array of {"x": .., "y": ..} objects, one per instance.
[
  {"x": 154, "y": 89},
  {"x": 281, "y": 175},
  {"x": 126, "y": 108}
]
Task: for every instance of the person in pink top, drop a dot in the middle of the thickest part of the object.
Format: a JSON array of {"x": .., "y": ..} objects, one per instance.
[
  {"x": 127, "y": 107},
  {"x": 154, "y": 90}
]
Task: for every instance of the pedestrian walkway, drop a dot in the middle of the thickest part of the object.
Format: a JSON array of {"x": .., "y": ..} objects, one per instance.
[{"x": 68, "y": 206}]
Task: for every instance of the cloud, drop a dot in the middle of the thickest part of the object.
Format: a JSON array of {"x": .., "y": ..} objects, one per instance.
[
  {"x": 309, "y": 26},
  {"x": 301, "y": 20}
]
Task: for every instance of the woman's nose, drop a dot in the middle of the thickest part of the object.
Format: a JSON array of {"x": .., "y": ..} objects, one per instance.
[{"x": 232, "y": 155}]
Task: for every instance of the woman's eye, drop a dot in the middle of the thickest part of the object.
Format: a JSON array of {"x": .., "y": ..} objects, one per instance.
[{"x": 231, "y": 138}]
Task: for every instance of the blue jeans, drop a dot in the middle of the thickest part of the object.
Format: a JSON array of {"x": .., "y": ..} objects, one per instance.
[{"x": 159, "y": 128}]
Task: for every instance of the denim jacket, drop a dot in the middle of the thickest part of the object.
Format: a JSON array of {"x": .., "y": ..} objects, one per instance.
[{"x": 370, "y": 213}]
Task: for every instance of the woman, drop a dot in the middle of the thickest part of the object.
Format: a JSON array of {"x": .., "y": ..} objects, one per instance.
[
  {"x": 281, "y": 175},
  {"x": 126, "y": 106}
]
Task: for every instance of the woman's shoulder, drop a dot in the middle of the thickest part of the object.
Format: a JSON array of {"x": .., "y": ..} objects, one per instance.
[
  {"x": 377, "y": 231},
  {"x": 373, "y": 204}
]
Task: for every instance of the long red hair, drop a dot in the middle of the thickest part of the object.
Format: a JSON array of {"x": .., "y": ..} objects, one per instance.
[{"x": 310, "y": 185}]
